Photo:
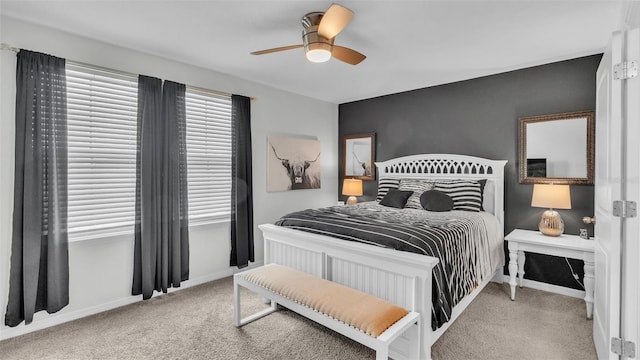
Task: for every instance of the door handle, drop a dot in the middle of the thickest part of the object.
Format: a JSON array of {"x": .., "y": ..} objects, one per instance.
[{"x": 589, "y": 220}]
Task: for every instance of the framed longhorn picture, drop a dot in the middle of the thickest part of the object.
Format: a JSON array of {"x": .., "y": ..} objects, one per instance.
[
  {"x": 293, "y": 163},
  {"x": 358, "y": 153}
]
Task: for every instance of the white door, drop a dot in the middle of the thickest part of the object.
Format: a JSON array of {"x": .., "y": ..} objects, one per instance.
[
  {"x": 608, "y": 187},
  {"x": 630, "y": 318},
  {"x": 617, "y": 177}
]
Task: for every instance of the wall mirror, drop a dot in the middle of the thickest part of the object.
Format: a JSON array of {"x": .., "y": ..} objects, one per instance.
[
  {"x": 557, "y": 148},
  {"x": 359, "y": 153}
]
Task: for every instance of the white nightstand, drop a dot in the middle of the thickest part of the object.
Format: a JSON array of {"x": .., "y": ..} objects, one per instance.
[{"x": 570, "y": 246}]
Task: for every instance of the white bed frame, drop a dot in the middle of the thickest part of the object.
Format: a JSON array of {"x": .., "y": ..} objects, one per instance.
[{"x": 399, "y": 277}]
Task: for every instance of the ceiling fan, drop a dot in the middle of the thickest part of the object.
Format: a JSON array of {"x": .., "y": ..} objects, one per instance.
[{"x": 320, "y": 30}]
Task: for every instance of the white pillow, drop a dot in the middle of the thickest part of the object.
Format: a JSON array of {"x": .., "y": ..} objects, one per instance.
[{"x": 488, "y": 197}]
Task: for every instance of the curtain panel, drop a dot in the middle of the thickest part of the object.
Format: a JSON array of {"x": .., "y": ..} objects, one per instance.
[
  {"x": 161, "y": 250},
  {"x": 39, "y": 274},
  {"x": 241, "y": 183},
  {"x": 175, "y": 218}
]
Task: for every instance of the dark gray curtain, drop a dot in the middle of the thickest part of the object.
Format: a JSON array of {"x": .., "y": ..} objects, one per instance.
[
  {"x": 39, "y": 275},
  {"x": 161, "y": 253},
  {"x": 241, "y": 184},
  {"x": 175, "y": 219}
]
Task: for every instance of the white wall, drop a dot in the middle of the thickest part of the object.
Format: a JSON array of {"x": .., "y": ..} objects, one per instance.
[{"x": 101, "y": 269}]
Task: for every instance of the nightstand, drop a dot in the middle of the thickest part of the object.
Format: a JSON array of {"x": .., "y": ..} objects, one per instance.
[{"x": 570, "y": 246}]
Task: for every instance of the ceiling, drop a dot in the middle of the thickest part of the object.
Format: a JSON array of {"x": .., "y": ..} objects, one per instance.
[{"x": 409, "y": 44}]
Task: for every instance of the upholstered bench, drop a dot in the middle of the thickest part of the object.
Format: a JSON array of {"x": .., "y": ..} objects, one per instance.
[{"x": 364, "y": 318}]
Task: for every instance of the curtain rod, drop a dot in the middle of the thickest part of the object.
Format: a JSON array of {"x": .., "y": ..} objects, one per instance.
[{"x": 4, "y": 46}]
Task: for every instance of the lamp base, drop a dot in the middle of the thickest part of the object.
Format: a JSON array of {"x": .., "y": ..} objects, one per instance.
[
  {"x": 551, "y": 223},
  {"x": 352, "y": 200}
]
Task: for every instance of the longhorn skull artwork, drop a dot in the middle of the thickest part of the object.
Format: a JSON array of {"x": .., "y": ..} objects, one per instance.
[{"x": 295, "y": 162}]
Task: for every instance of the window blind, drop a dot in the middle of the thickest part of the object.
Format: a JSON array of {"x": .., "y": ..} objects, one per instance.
[
  {"x": 102, "y": 126},
  {"x": 101, "y": 111},
  {"x": 208, "y": 155}
]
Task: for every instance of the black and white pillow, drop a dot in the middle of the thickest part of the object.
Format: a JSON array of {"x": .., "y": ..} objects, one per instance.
[
  {"x": 418, "y": 186},
  {"x": 384, "y": 185},
  {"x": 466, "y": 194}
]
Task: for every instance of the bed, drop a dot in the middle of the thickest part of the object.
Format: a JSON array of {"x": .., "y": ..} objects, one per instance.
[{"x": 401, "y": 277}]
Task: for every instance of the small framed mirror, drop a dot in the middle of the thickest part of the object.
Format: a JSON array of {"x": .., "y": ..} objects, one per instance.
[
  {"x": 557, "y": 148},
  {"x": 359, "y": 154}
]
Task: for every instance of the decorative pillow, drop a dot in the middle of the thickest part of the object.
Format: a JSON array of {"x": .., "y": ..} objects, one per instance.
[
  {"x": 434, "y": 200},
  {"x": 482, "y": 183},
  {"x": 418, "y": 186},
  {"x": 396, "y": 198},
  {"x": 488, "y": 196},
  {"x": 384, "y": 185},
  {"x": 466, "y": 194}
]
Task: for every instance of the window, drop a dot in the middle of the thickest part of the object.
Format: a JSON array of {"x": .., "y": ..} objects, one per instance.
[
  {"x": 102, "y": 125},
  {"x": 208, "y": 155}
]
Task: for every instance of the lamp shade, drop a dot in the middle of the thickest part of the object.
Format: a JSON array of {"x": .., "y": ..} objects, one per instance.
[
  {"x": 551, "y": 196},
  {"x": 352, "y": 187}
]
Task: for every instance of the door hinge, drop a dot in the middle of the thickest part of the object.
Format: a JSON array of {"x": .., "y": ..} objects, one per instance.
[
  {"x": 625, "y": 209},
  {"x": 623, "y": 348},
  {"x": 625, "y": 70}
]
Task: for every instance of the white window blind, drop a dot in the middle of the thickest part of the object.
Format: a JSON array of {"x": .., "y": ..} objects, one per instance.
[
  {"x": 101, "y": 111},
  {"x": 208, "y": 155},
  {"x": 102, "y": 125}
]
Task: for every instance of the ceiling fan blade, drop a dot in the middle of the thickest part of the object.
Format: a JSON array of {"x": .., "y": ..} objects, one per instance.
[
  {"x": 347, "y": 55},
  {"x": 334, "y": 20},
  {"x": 282, "y": 48}
]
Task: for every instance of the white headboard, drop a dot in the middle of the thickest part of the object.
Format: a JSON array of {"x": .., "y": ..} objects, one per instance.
[{"x": 450, "y": 166}]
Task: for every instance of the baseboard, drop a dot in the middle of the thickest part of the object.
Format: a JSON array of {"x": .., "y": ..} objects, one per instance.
[
  {"x": 580, "y": 294},
  {"x": 49, "y": 320}
]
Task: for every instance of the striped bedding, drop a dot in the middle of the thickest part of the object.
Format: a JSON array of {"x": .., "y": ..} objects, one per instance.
[{"x": 468, "y": 244}]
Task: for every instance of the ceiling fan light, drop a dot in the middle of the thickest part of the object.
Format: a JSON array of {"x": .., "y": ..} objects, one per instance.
[{"x": 318, "y": 52}]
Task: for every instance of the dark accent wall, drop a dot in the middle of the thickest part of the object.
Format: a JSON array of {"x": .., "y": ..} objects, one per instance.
[{"x": 479, "y": 117}]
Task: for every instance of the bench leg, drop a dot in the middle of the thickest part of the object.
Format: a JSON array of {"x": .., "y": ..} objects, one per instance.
[
  {"x": 237, "y": 321},
  {"x": 415, "y": 334},
  {"x": 236, "y": 302},
  {"x": 382, "y": 354}
]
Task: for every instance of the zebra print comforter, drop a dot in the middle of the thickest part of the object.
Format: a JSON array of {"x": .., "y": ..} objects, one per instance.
[{"x": 467, "y": 250}]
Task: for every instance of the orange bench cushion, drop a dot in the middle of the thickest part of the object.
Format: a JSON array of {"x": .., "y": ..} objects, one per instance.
[{"x": 362, "y": 311}]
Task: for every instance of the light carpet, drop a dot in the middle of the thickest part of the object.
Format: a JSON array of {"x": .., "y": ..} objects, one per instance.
[{"x": 196, "y": 323}]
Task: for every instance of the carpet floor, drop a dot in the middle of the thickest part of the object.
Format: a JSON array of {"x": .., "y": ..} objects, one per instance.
[{"x": 196, "y": 323}]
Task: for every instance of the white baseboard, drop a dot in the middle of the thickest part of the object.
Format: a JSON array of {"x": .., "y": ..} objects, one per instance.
[
  {"x": 580, "y": 294},
  {"x": 49, "y": 320}
]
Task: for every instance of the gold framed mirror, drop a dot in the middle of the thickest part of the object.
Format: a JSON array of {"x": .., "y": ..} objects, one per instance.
[{"x": 557, "y": 148}]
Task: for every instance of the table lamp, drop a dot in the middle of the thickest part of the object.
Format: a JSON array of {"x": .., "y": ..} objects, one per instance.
[
  {"x": 352, "y": 188},
  {"x": 553, "y": 197}
]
